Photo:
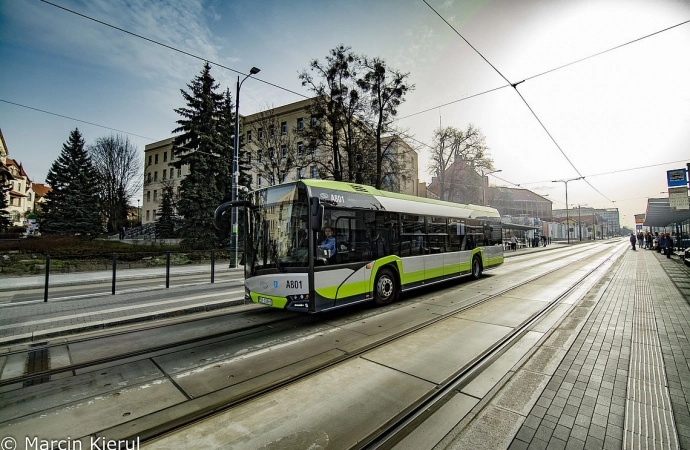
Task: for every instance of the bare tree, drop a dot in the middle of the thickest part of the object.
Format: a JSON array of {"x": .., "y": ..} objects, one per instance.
[
  {"x": 337, "y": 108},
  {"x": 277, "y": 151},
  {"x": 455, "y": 158},
  {"x": 117, "y": 163},
  {"x": 386, "y": 88}
]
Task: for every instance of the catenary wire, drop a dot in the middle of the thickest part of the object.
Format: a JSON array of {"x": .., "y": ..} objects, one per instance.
[
  {"x": 171, "y": 47},
  {"x": 77, "y": 120},
  {"x": 514, "y": 85}
]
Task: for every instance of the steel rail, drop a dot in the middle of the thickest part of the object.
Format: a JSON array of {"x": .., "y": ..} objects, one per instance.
[
  {"x": 398, "y": 427},
  {"x": 160, "y": 430}
]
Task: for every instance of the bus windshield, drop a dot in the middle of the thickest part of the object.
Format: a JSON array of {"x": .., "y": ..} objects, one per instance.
[{"x": 278, "y": 225}]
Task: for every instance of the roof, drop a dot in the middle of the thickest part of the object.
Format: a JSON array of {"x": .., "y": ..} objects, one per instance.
[
  {"x": 390, "y": 200},
  {"x": 517, "y": 226},
  {"x": 519, "y": 194},
  {"x": 659, "y": 213},
  {"x": 40, "y": 189}
]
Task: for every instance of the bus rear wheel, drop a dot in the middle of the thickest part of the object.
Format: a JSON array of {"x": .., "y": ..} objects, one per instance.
[
  {"x": 476, "y": 268},
  {"x": 385, "y": 287}
]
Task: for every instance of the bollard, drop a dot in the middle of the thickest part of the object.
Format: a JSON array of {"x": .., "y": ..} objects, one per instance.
[
  {"x": 45, "y": 292},
  {"x": 167, "y": 270},
  {"x": 114, "y": 270},
  {"x": 213, "y": 265}
]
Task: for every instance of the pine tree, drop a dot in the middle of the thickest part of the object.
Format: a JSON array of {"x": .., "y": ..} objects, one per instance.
[
  {"x": 72, "y": 207},
  {"x": 200, "y": 147},
  {"x": 5, "y": 221},
  {"x": 165, "y": 223}
]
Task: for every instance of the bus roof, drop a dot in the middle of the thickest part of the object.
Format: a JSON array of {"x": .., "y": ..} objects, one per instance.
[{"x": 392, "y": 201}]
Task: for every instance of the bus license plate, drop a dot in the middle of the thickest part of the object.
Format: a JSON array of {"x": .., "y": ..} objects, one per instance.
[{"x": 266, "y": 301}]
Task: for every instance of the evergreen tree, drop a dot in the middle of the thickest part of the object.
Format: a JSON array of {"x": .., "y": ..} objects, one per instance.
[
  {"x": 73, "y": 204},
  {"x": 4, "y": 214},
  {"x": 165, "y": 223},
  {"x": 201, "y": 148}
]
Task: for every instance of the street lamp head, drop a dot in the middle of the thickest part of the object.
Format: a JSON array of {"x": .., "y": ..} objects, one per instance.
[{"x": 254, "y": 71}]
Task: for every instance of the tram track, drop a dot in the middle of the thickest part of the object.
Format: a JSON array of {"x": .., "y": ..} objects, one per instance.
[
  {"x": 198, "y": 340},
  {"x": 374, "y": 441},
  {"x": 159, "y": 424}
]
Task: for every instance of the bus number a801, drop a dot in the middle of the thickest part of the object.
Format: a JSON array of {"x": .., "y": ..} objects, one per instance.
[{"x": 293, "y": 284}]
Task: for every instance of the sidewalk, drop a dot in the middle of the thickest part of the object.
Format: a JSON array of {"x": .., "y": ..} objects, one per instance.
[
  {"x": 625, "y": 380},
  {"x": 32, "y": 321}
]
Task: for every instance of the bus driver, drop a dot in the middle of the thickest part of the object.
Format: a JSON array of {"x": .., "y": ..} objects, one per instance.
[{"x": 329, "y": 242}]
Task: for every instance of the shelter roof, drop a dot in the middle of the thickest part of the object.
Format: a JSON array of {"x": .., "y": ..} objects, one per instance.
[{"x": 659, "y": 213}]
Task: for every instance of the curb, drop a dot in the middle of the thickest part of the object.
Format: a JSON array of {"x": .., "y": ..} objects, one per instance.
[{"x": 105, "y": 324}]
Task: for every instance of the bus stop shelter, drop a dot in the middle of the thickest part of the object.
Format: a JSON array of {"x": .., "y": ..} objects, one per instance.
[{"x": 660, "y": 215}]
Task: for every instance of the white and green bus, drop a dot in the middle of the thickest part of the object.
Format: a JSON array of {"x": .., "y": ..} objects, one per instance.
[{"x": 384, "y": 244}]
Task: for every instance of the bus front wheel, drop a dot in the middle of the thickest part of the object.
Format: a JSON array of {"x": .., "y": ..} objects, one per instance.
[
  {"x": 476, "y": 267},
  {"x": 385, "y": 287}
]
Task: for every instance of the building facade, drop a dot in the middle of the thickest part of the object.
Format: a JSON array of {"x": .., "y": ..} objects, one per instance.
[{"x": 279, "y": 151}]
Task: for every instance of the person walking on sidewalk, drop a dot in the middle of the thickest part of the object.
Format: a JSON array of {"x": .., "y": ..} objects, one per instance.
[{"x": 633, "y": 240}]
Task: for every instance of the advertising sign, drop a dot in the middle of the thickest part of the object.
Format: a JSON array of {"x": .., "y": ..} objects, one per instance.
[{"x": 678, "y": 198}]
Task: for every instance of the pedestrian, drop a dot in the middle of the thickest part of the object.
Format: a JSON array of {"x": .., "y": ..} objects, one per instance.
[
  {"x": 632, "y": 240},
  {"x": 640, "y": 239},
  {"x": 669, "y": 245}
]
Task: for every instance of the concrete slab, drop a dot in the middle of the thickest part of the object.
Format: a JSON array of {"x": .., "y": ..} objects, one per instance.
[
  {"x": 299, "y": 417},
  {"x": 432, "y": 430},
  {"x": 63, "y": 392},
  {"x": 92, "y": 414},
  {"x": 439, "y": 350},
  {"x": 213, "y": 373},
  {"x": 506, "y": 311},
  {"x": 493, "y": 428},
  {"x": 521, "y": 392},
  {"x": 489, "y": 377},
  {"x": 551, "y": 318},
  {"x": 375, "y": 322}
]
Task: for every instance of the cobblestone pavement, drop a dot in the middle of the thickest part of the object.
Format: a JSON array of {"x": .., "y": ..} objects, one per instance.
[{"x": 596, "y": 398}]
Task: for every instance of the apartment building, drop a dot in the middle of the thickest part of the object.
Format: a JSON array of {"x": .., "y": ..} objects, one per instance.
[
  {"x": 20, "y": 196},
  {"x": 273, "y": 137},
  {"x": 159, "y": 173}
]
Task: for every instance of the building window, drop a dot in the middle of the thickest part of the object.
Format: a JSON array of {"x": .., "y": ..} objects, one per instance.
[
  {"x": 150, "y": 160},
  {"x": 154, "y": 214},
  {"x": 313, "y": 172},
  {"x": 249, "y": 136},
  {"x": 314, "y": 122},
  {"x": 165, "y": 174},
  {"x": 300, "y": 124},
  {"x": 299, "y": 174},
  {"x": 258, "y": 180},
  {"x": 271, "y": 131},
  {"x": 261, "y": 133},
  {"x": 155, "y": 195},
  {"x": 313, "y": 149},
  {"x": 283, "y": 128},
  {"x": 28, "y": 197},
  {"x": 155, "y": 176},
  {"x": 300, "y": 149},
  {"x": 284, "y": 149},
  {"x": 148, "y": 196},
  {"x": 148, "y": 215},
  {"x": 272, "y": 153},
  {"x": 260, "y": 156},
  {"x": 179, "y": 172},
  {"x": 156, "y": 158},
  {"x": 149, "y": 177},
  {"x": 165, "y": 156},
  {"x": 172, "y": 173}
]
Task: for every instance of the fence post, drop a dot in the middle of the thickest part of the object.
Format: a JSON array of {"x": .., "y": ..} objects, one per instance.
[
  {"x": 213, "y": 265},
  {"x": 167, "y": 270},
  {"x": 45, "y": 291},
  {"x": 114, "y": 270}
]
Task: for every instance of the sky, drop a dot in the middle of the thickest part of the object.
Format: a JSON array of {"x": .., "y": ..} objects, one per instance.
[{"x": 620, "y": 119}]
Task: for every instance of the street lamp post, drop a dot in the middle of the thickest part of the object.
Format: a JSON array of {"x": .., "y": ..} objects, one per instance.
[
  {"x": 567, "y": 217},
  {"x": 235, "y": 159},
  {"x": 138, "y": 213},
  {"x": 487, "y": 182}
]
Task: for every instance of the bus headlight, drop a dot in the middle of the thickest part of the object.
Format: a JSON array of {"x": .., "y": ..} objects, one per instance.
[{"x": 247, "y": 293}]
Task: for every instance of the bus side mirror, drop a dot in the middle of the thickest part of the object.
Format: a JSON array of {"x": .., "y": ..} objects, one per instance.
[
  {"x": 316, "y": 216},
  {"x": 218, "y": 216}
]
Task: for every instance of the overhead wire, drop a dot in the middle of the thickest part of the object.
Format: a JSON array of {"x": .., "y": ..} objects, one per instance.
[
  {"x": 153, "y": 41},
  {"x": 75, "y": 119},
  {"x": 514, "y": 85}
]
